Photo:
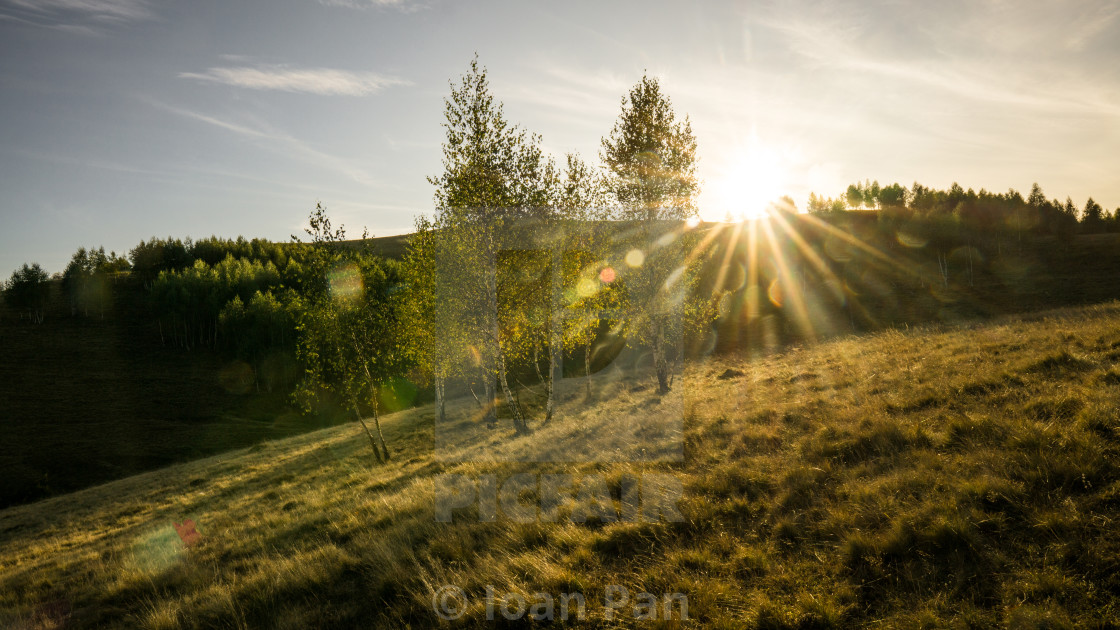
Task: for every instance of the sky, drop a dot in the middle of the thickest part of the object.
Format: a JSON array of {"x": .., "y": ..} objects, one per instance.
[{"x": 126, "y": 119}]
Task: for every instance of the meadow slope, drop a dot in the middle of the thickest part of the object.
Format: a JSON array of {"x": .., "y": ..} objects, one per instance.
[{"x": 961, "y": 476}]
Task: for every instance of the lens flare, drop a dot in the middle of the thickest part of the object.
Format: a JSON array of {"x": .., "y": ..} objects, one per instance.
[
  {"x": 775, "y": 293},
  {"x": 345, "y": 282},
  {"x": 586, "y": 287},
  {"x": 911, "y": 240}
]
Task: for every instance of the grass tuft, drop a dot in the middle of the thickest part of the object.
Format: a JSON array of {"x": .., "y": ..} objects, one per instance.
[
  {"x": 1054, "y": 408},
  {"x": 624, "y": 541},
  {"x": 873, "y": 440},
  {"x": 1059, "y": 364}
]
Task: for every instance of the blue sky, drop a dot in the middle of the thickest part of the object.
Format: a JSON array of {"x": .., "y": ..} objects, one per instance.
[{"x": 124, "y": 119}]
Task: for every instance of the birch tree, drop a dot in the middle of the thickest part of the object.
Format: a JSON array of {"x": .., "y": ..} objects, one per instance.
[
  {"x": 650, "y": 160},
  {"x": 495, "y": 181},
  {"x": 350, "y": 339}
]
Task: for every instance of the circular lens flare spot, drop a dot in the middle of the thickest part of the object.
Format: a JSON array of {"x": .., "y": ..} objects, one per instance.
[
  {"x": 665, "y": 239},
  {"x": 607, "y": 275},
  {"x": 725, "y": 305},
  {"x": 237, "y": 377},
  {"x": 635, "y": 257},
  {"x": 911, "y": 240},
  {"x": 345, "y": 282},
  {"x": 674, "y": 276},
  {"x": 775, "y": 293}
]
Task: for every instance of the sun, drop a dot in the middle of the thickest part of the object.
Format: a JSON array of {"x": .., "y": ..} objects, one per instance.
[{"x": 753, "y": 176}]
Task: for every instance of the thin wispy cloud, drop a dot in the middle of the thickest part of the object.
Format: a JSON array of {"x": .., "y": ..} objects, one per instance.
[
  {"x": 970, "y": 65},
  {"x": 279, "y": 142},
  {"x": 322, "y": 81},
  {"x": 1039, "y": 30},
  {"x": 575, "y": 91},
  {"x": 210, "y": 120},
  {"x": 201, "y": 175},
  {"x": 73, "y": 28},
  {"x": 404, "y": 6},
  {"x": 76, "y": 15}
]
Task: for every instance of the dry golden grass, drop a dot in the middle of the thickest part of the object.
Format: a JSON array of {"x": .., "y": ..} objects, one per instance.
[{"x": 947, "y": 476}]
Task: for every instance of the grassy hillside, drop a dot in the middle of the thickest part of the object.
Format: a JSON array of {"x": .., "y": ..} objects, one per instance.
[
  {"x": 88, "y": 399},
  {"x": 946, "y": 476},
  {"x": 395, "y": 246}
]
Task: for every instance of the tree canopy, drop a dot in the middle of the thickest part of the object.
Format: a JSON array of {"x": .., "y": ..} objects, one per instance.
[{"x": 650, "y": 157}]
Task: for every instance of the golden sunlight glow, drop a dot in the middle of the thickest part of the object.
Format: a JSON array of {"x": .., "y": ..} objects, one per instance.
[
  {"x": 754, "y": 175},
  {"x": 635, "y": 258}
]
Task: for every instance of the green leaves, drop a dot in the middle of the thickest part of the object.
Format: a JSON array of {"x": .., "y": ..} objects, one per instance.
[
  {"x": 651, "y": 158},
  {"x": 487, "y": 163},
  {"x": 651, "y": 175},
  {"x": 352, "y": 337},
  {"x": 27, "y": 289}
]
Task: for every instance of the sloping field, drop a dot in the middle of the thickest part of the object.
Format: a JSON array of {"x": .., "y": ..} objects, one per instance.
[{"x": 965, "y": 476}]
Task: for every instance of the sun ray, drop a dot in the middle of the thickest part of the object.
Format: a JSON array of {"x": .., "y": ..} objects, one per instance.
[
  {"x": 878, "y": 260},
  {"x": 752, "y": 271},
  {"x": 785, "y": 278},
  {"x": 731, "y": 244},
  {"x": 868, "y": 249},
  {"x": 806, "y": 249},
  {"x": 898, "y": 266}
]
